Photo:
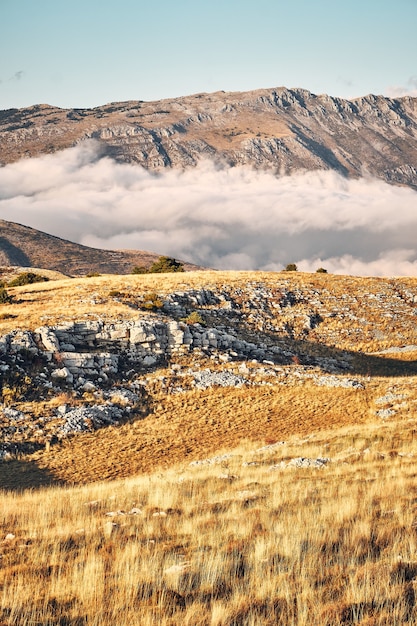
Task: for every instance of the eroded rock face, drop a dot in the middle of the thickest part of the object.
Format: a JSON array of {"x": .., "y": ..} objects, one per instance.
[{"x": 283, "y": 129}]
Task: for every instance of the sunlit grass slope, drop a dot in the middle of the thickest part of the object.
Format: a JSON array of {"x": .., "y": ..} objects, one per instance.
[{"x": 248, "y": 539}]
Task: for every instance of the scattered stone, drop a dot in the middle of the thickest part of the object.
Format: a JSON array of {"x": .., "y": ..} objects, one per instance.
[
  {"x": 212, "y": 461},
  {"x": 385, "y": 413},
  {"x": 89, "y": 418},
  {"x": 302, "y": 462},
  {"x": 62, "y": 373},
  {"x": 334, "y": 381},
  {"x": 109, "y": 528},
  {"x": 390, "y": 397},
  {"x": 207, "y": 378}
]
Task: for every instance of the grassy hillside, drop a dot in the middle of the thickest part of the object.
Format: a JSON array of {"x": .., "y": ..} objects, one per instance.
[
  {"x": 287, "y": 499},
  {"x": 317, "y": 531},
  {"x": 366, "y": 333}
]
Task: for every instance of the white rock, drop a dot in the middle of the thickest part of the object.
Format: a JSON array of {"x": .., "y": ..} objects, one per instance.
[{"x": 62, "y": 373}]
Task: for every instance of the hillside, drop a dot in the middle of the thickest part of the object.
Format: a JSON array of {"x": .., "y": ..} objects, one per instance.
[
  {"x": 211, "y": 448},
  {"x": 316, "y": 531},
  {"x": 284, "y": 129},
  {"x": 23, "y": 246},
  {"x": 111, "y": 376}
]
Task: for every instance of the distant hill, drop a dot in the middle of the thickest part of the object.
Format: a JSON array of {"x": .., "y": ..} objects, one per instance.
[
  {"x": 287, "y": 130},
  {"x": 27, "y": 247}
]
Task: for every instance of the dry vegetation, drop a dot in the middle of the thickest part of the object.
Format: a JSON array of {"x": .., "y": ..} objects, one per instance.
[
  {"x": 245, "y": 540},
  {"x": 231, "y": 543},
  {"x": 354, "y": 297}
]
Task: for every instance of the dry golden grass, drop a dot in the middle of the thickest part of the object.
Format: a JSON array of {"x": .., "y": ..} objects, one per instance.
[
  {"x": 227, "y": 544},
  {"x": 358, "y": 316},
  {"x": 234, "y": 543}
]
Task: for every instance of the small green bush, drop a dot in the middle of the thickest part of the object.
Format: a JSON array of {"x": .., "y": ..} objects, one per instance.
[
  {"x": 5, "y": 298},
  {"x": 321, "y": 270},
  {"x": 27, "y": 278},
  {"x": 291, "y": 267},
  {"x": 92, "y": 274}
]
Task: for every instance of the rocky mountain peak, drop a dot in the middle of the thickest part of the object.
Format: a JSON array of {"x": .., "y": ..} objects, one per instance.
[{"x": 285, "y": 129}]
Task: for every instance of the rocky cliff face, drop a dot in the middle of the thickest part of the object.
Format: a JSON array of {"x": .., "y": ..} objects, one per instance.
[{"x": 283, "y": 129}]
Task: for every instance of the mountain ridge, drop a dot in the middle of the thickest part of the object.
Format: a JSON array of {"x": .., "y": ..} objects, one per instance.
[
  {"x": 284, "y": 129},
  {"x": 25, "y": 246}
]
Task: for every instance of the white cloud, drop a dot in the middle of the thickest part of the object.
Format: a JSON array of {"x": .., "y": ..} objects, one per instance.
[
  {"x": 395, "y": 91},
  {"x": 231, "y": 218}
]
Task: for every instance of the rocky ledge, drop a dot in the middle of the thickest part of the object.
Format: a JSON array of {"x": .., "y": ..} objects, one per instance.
[{"x": 93, "y": 373}]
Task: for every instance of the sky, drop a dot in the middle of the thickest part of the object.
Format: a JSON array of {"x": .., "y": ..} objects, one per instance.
[
  {"x": 86, "y": 53},
  {"x": 92, "y": 52}
]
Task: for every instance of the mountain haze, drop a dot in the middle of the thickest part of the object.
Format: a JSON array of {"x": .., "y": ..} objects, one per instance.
[{"x": 284, "y": 129}]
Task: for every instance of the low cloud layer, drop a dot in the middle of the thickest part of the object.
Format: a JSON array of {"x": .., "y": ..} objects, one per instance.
[{"x": 234, "y": 218}]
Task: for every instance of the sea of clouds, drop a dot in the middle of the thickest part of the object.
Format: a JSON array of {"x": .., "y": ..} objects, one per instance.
[{"x": 225, "y": 218}]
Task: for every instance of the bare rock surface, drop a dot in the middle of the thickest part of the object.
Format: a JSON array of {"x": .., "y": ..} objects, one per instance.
[{"x": 284, "y": 129}]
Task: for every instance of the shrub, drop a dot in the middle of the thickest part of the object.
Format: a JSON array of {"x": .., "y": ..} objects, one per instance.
[
  {"x": 321, "y": 270},
  {"x": 166, "y": 264},
  {"x": 5, "y": 298},
  {"x": 163, "y": 265},
  {"x": 115, "y": 293},
  {"x": 92, "y": 274},
  {"x": 152, "y": 302},
  {"x": 291, "y": 267},
  {"x": 193, "y": 318},
  {"x": 27, "y": 278}
]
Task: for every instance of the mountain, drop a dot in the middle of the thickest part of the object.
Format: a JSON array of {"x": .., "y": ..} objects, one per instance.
[
  {"x": 27, "y": 247},
  {"x": 284, "y": 129}
]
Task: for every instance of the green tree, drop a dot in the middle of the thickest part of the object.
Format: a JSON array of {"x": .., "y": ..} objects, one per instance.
[{"x": 166, "y": 264}]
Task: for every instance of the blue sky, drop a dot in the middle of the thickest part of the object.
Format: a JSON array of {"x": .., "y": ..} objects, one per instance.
[{"x": 91, "y": 52}]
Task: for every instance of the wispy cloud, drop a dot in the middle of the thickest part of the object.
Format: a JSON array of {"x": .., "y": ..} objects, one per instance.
[
  {"x": 410, "y": 89},
  {"x": 231, "y": 218},
  {"x": 15, "y": 77},
  {"x": 18, "y": 75}
]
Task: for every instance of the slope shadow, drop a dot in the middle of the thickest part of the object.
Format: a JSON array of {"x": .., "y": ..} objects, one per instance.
[
  {"x": 21, "y": 474},
  {"x": 15, "y": 255},
  {"x": 322, "y": 151},
  {"x": 335, "y": 360}
]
